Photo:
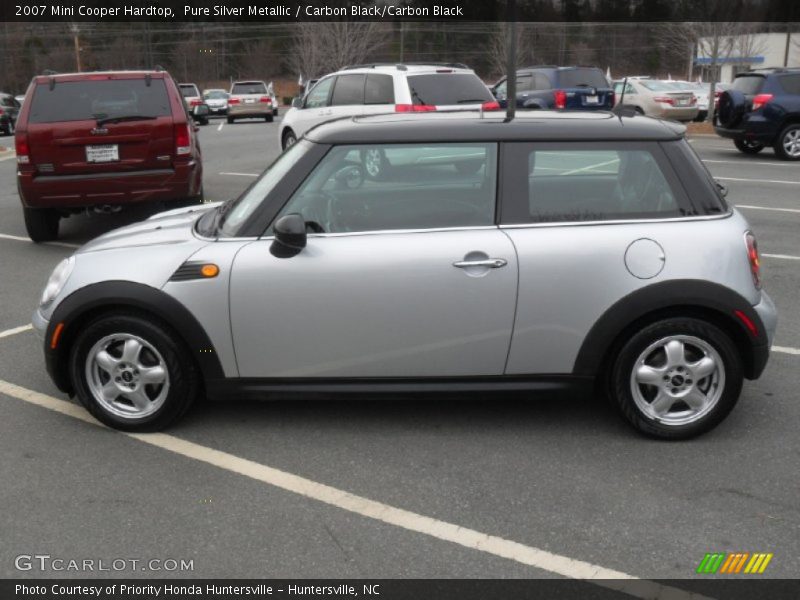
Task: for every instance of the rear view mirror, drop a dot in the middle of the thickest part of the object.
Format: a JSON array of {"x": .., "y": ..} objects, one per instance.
[
  {"x": 290, "y": 236},
  {"x": 297, "y": 102}
]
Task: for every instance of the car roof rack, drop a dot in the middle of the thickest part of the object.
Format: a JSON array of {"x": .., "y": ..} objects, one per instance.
[{"x": 404, "y": 66}]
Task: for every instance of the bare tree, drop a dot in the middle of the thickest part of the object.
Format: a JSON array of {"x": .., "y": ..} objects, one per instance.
[
  {"x": 497, "y": 51},
  {"x": 319, "y": 48}
]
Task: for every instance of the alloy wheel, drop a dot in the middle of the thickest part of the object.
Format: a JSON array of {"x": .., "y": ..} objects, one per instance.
[{"x": 791, "y": 143}]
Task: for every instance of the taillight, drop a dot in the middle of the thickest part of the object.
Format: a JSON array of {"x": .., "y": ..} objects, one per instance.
[
  {"x": 22, "y": 149},
  {"x": 266, "y": 99},
  {"x": 490, "y": 105},
  {"x": 195, "y": 103},
  {"x": 752, "y": 257},
  {"x": 183, "y": 140},
  {"x": 414, "y": 108},
  {"x": 561, "y": 98},
  {"x": 233, "y": 101},
  {"x": 664, "y": 100},
  {"x": 760, "y": 100}
]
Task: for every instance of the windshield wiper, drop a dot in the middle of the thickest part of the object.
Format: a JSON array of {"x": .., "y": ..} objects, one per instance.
[
  {"x": 219, "y": 216},
  {"x": 414, "y": 94},
  {"x": 103, "y": 120}
]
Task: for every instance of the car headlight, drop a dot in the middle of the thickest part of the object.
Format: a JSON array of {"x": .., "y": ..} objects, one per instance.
[{"x": 57, "y": 280}]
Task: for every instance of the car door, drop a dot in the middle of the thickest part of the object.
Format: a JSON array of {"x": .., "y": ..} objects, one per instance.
[
  {"x": 316, "y": 107},
  {"x": 402, "y": 277}
]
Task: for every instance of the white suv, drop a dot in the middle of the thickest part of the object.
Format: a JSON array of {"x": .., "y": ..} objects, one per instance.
[{"x": 385, "y": 88}]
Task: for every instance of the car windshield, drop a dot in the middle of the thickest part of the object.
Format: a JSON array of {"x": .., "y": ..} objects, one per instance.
[
  {"x": 249, "y": 87},
  {"x": 235, "y": 213},
  {"x": 571, "y": 78}
]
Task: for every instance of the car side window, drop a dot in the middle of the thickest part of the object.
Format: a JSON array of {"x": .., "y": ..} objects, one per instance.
[
  {"x": 501, "y": 88},
  {"x": 379, "y": 89},
  {"x": 552, "y": 183},
  {"x": 790, "y": 84},
  {"x": 318, "y": 96},
  {"x": 541, "y": 82},
  {"x": 349, "y": 90},
  {"x": 524, "y": 83},
  {"x": 417, "y": 186}
]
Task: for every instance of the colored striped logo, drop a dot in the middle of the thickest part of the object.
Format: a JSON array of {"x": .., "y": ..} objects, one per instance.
[{"x": 734, "y": 563}]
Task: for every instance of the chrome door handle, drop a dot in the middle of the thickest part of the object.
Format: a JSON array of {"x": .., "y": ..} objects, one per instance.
[{"x": 492, "y": 263}]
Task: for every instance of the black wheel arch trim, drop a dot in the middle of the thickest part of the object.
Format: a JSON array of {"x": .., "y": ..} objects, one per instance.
[
  {"x": 85, "y": 303},
  {"x": 688, "y": 297}
]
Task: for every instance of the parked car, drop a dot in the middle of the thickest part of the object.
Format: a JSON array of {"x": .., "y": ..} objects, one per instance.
[
  {"x": 561, "y": 262},
  {"x": 217, "y": 101},
  {"x": 761, "y": 109},
  {"x": 274, "y": 98},
  {"x": 701, "y": 91},
  {"x": 20, "y": 98},
  {"x": 102, "y": 140},
  {"x": 9, "y": 111},
  {"x": 194, "y": 102},
  {"x": 656, "y": 98},
  {"x": 568, "y": 88},
  {"x": 250, "y": 100},
  {"x": 383, "y": 88}
]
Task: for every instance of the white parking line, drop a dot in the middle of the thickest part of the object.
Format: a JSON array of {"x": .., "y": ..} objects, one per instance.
[
  {"x": 746, "y": 162},
  {"x": 786, "y": 350},
  {"x": 16, "y": 330},
  {"x": 758, "y": 180},
  {"x": 442, "y": 530},
  {"x": 241, "y": 174},
  {"x": 783, "y": 256},
  {"x": 790, "y": 210},
  {"x": 19, "y": 238},
  {"x": 220, "y": 126}
]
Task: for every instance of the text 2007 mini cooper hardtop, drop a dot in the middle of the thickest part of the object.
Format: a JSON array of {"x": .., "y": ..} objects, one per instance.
[{"x": 552, "y": 250}]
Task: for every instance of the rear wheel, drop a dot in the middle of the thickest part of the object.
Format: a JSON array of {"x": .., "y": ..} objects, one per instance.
[
  {"x": 204, "y": 121},
  {"x": 8, "y": 127},
  {"x": 787, "y": 146},
  {"x": 230, "y": 120},
  {"x": 748, "y": 147},
  {"x": 41, "y": 223},
  {"x": 132, "y": 373},
  {"x": 268, "y": 118},
  {"x": 677, "y": 378}
]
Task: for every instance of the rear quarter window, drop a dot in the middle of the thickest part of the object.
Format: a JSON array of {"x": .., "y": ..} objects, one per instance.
[
  {"x": 448, "y": 88},
  {"x": 571, "y": 78},
  {"x": 590, "y": 182},
  {"x": 93, "y": 99},
  {"x": 748, "y": 84}
]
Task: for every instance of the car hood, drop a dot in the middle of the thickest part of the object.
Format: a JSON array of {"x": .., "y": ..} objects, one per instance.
[{"x": 166, "y": 228}]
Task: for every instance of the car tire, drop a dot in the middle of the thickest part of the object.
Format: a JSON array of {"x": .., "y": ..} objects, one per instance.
[
  {"x": 268, "y": 118},
  {"x": 288, "y": 139},
  {"x": 787, "y": 144},
  {"x": 8, "y": 128},
  {"x": 230, "y": 120},
  {"x": 731, "y": 109},
  {"x": 672, "y": 360},
  {"x": 375, "y": 163},
  {"x": 204, "y": 121},
  {"x": 41, "y": 223},
  {"x": 107, "y": 366},
  {"x": 748, "y": 147}
]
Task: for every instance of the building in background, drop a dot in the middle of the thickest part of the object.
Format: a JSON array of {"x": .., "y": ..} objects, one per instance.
[{"x": 744, "y": 52}]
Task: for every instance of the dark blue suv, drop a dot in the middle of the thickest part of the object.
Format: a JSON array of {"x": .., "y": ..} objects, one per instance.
[
  {"x": 761, "y": 109},
  {"x": 550, "y": 87}
]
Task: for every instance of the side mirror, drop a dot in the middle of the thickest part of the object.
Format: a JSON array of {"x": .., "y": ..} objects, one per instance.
[
  {"x": 290, "y": 236},
  {"x": 297, "y": 102},
  {"x": 723, "y": 189}
]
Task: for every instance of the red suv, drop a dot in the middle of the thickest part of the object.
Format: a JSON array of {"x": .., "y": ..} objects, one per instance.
[{"x": 103, "y": 139}]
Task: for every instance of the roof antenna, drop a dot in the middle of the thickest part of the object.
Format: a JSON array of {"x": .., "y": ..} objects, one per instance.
[
  {"x": 620, "y": 107},
  {"x": 511, "y": 68}
]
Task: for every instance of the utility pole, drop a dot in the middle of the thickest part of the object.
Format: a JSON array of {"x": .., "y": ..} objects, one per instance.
[
  {"x": 511, "y": 69},
  {"x": 788, "y": 44},
  {"x": 77, "y": 41}
]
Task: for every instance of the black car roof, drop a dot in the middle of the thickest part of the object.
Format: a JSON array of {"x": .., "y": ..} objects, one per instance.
[{"x": 464, "y": 126}]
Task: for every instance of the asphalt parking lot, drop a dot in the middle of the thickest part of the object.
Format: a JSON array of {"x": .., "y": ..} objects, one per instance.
[{"x": 561, "y": 475}]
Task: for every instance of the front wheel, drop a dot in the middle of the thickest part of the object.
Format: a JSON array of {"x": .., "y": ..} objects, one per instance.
[
  {"x": 677, "y": 378},
  {"x": 787, "y": 146},
  {"x": 132, "y": 373},
  {"x": 748, "y": 147},
  {"x": 41, "y": 223},
  {"x": 289, "y": 139}
]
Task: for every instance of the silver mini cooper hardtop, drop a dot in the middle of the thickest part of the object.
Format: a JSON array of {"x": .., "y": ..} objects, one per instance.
[{"x": 556, "y": 250}]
